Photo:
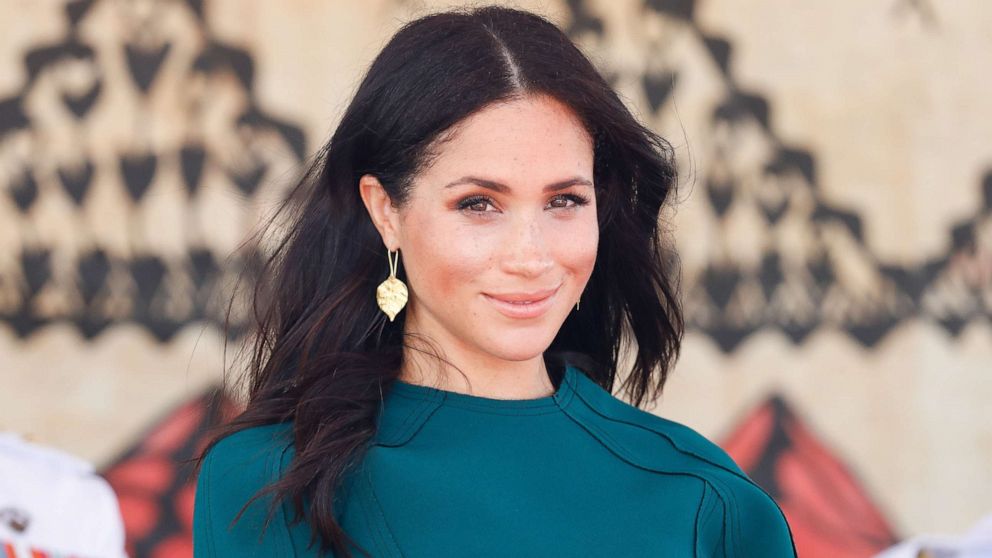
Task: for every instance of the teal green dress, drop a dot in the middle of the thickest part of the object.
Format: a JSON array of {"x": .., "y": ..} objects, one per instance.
[{"x": 576, "y": 473}]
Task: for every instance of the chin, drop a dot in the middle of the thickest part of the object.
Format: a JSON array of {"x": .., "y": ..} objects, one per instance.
[{"x": 519, "y": 346}]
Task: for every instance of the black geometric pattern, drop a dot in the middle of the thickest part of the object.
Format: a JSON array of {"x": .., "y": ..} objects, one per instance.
[
  {"x": 808, "y": 268},
  {"x": 164, "y": 50}
]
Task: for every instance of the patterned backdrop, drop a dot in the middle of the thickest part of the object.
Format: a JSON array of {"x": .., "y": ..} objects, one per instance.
[{"x": 834, "y": 225}]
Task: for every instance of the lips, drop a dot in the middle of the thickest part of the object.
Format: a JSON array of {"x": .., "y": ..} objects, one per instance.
[
  {"x": 524, "y": 297},
  {"x": 523, "y": 305}
]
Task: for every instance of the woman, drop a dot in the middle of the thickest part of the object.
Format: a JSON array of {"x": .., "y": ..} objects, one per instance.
[{"x": 459, "y": 403}]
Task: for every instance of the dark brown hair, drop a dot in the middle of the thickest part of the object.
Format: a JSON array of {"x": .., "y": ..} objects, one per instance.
[{"x": 322, "y": 353}]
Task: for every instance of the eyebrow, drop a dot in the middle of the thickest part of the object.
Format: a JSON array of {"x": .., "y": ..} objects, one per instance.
[{"x": 503, "y": 188}]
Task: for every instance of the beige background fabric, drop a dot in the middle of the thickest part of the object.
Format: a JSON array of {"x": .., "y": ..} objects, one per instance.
[{"x": 887, "y": 357}]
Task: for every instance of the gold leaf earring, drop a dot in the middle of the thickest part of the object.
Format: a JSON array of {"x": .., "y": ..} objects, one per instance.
[{"x": 391, "y": 295}]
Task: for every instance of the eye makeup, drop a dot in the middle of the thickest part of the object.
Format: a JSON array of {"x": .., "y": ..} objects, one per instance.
[{"x": 470, "y": 201}]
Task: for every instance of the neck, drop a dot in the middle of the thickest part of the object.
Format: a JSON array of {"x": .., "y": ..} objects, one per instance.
[{"x": 463, "y": 369}]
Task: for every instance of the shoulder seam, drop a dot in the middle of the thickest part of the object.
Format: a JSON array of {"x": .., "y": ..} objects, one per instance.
[
  {"x": 410, "y": 426},
  {"x": 740, "y": 474},
  {"x": 626, "y": 453},
  {"x": 386, "y": 534},
  {"x": 719, "y": 488},
  {"x": 667, "y": 437},
  {"x": 380, "y": 533},
  {"x": 695, "y": 525}
]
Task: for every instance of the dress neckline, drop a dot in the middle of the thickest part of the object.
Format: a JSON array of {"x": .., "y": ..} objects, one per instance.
[{"x": 562, "y": 394}]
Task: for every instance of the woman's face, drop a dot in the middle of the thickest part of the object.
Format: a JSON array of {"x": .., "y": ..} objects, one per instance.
[{"x": 506, "y": 213}]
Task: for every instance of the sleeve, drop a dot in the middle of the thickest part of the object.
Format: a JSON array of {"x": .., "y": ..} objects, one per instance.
[
  {"x": 230, "y": 475},
  {"x": 742, "y": 522},
  {"x": 762, "y": 530},
  {"x": 111, "y": 530}
]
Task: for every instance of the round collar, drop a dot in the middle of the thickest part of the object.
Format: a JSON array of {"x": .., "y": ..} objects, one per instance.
[
  {"x": 465, "y": 400},
  {"x": 407, "y": 407}
]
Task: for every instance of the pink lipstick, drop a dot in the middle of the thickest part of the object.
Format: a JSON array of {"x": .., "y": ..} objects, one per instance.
[{"x": 523, "y": 305}]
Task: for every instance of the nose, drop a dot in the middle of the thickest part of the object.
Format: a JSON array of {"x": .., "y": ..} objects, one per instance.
[{"x": 527, "y": 248}]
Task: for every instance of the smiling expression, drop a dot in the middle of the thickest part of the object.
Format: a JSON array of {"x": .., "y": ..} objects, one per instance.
[{"x": 499, "y": 236}]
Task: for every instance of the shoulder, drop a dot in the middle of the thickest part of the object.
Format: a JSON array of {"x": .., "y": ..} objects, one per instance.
[
  {"x": 648, "y": 435},
  {"x": 234, "y": 470},
  {"x": 734, "y": 514},
  {"x": 245, "y": 461},
  {"x": 251, "y": 447}
]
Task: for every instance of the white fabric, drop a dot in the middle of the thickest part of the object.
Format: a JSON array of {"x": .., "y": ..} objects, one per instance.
[
  {"x": 976, "y": 543},
  {"x": 62, "y": 506}
]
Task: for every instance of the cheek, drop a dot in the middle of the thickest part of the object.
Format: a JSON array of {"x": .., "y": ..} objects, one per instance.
[
  {"x": 576, "y": 247},
  {"x": 444, "y": 262}
]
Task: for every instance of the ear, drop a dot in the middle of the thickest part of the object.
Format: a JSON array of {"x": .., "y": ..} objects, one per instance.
[{"x": 379, "y": 205}]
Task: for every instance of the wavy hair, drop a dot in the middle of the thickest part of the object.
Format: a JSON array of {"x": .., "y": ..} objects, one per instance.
[{"x": 321, "y": 353}]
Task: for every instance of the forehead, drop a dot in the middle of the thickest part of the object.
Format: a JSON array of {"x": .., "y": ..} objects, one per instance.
[{"x": 537, "y": 136}]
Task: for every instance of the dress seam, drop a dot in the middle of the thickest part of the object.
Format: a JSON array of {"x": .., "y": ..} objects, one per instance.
[
  {"x": 734, "y": 534},
  {"x": 414, "y": 419},
  {"x": 282, "y": 509},
  {"x": 502, "y": 407},
  {"x": 482, "y": 407},
  {"x": 695, "y": 525},
  {"x": 370, "y": 521},
  {"x": 729, "y": 538},
  {"x": 549, "y": 411},
  {"x": 384, "y": 526}
]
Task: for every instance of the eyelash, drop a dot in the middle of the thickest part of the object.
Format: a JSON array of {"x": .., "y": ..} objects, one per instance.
[{"x": 472, "y": 200}]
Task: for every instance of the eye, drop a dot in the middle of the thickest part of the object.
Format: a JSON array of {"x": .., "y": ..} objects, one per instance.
[
  {"x": 577, "y": 201},
  {"x": 473, "y": 204},
  {"x": 477, "y": 204}
]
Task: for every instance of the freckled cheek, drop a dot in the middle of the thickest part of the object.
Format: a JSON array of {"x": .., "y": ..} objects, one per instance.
[
  {"x": 576, "y": 248},
  {"x": 446, "y": 264}
]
